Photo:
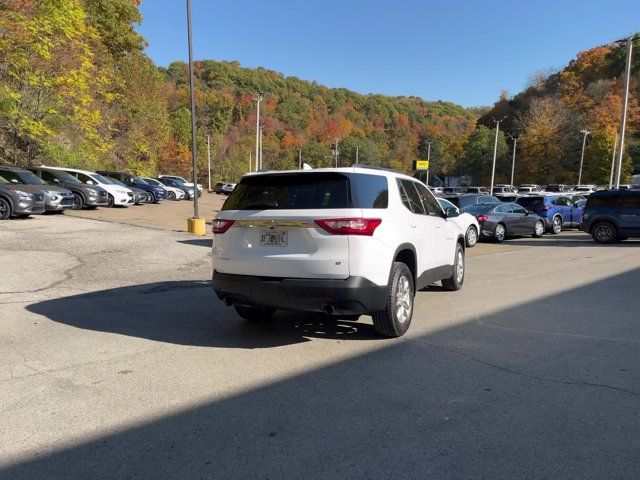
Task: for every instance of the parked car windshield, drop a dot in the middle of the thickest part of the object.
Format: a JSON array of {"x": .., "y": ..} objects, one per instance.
[
  {"x": 25, "y": 177},
  {"x": 65, "y": 177},
  {"x": 302, "y": 191},
  {"x": 4, "y": 180},
  {"x": 151, "y": 181},
  {"x": 101, "y": 179}
]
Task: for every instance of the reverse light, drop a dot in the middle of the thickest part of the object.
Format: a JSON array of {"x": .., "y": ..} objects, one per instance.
[
  {"x": 349, "y": 226},
  {"x": 482, "y": 218},
  {"x": 220, "y": 226}
]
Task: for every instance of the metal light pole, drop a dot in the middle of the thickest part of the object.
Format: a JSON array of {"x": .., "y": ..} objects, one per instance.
[
  {"x": 299, "y": 159},
  {"x": 258, "y": 98},
  {"x": 337, "y": 152},
  {"x": 260, "y": 149},
  {"x": 513, "y": 161},
  {"x": 357, "y": 154},
  {"x": 584, "y": 143},
  {"x": 495, "y": 152},
  {"x": 623, "y": 121},
  {"x": 209, "y": 159},
  {"x": 193, "y": 115},
  {"x": 250, "y": 163},
  {"x": 428, "y": 160},
  {"x": 613, "y": 161}
]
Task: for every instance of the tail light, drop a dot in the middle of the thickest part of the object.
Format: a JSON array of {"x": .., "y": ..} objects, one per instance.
[
  {"x": 349, "y": 226},
  {"x": 548, "y": 207},
  {"x": 220, "y": 226},
  {"x": 482, "y": 218}
]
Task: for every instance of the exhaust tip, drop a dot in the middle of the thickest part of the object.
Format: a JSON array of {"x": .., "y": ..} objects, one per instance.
[{"x": 328, "y": 309}]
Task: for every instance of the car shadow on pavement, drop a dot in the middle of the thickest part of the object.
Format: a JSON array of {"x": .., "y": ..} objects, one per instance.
[
  {"x": 548, "y": 388},
  {"x": 567, "y": 239},
  {"x": 200, "y": 242},
  {"x": 189, "y": 313}
]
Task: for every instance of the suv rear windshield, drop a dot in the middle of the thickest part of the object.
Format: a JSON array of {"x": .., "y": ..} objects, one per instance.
[
  {"x": 301, "y": 191},
  {"x": 531, "y": 203},
  {"x": 617, "y": 200}
]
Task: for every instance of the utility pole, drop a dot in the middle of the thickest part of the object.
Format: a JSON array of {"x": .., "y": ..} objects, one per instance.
[
  {"x": 495, "y": 152},
  {"x": 357, "y": 154},
  {"x": 258, "y": 98},
  {"x": 336, "y": 152},
  {"x": 513, "y": 161},
  {"x": 428, "y": 160},
  {"x": 625, "y": 101},
  {"x": 250, "y": 163},
  {"x": 584, "y": 143},
  {"x": 260, "y": 149},
  {"x": 209, "y": 158},
  {"x": 193, "y": 115},
  {"x": 299, "y": 159},
  {"x": 613, "y": 161}
]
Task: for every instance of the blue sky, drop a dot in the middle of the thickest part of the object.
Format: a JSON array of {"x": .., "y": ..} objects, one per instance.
[{"x": 461, "y": 51}]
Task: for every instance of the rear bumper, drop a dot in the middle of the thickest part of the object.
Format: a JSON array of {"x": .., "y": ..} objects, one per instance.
[{"x": 352, "y": 295}]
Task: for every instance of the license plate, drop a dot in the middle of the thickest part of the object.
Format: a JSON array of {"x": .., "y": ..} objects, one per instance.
[{"x": 273, "y": 238}]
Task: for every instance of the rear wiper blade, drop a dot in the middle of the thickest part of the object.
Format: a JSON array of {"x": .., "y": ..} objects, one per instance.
[{"x": 262, "y": 204}]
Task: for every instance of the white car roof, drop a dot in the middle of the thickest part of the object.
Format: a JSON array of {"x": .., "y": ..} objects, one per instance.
[{"x": 363, "y": 170}]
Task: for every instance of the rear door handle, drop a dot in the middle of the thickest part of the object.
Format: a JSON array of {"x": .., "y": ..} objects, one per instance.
[{"x": 413, "y": 225}]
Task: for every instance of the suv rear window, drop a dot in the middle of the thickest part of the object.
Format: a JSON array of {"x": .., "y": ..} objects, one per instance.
[
  {"x": 303, "y": 191},
  {"x": 619, "y": 200},
  {"x": 531, "y": 203}
]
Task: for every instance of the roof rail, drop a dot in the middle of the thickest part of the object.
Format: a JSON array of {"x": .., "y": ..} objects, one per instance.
[{"x": 375, "y": 167}]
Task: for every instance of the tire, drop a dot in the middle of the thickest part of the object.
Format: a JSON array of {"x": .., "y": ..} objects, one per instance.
[
  {"x": 556, "y": 225},
  {"x": 457, "y": 279},
  {"x": 604, "y": 232},
  {"x": 5, "y": 209},
  {"x": 254, "y": 314},
  {"x": 78, "y": 202},
  {"x": 171, "y": 196},
  {"x": 471, "y": 237},
  {"x": 395, "y": 319},
  {"x": 111, "y": 201},
  {"x": 538, "y": 229},
  {"x": 500, "y": 233},
  {"x": 153, "y": 198}
]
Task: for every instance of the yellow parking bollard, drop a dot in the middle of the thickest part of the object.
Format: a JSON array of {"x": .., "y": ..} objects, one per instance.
[{"x": 196, "y": 226}]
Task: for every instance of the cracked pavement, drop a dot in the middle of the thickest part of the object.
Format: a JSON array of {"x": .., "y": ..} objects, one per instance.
[{"x": 116, "y": 361}]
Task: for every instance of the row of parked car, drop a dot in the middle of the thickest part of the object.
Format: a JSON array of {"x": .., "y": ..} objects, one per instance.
[
  {"x": 607, "y": 215},
  {"x": 35, "y": 190}
]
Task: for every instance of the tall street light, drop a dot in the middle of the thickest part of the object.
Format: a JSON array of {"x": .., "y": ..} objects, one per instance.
[
  {"x": 495, "y": 152},
  {"x": 613, "y": 161},
  {"x": 623, "y": 120},
  {"x": 513, "y": 161},
  {"x": 584, "y": 143},
  {"x": 258, "y": 98},
  {"x": 197, "y": 224}
]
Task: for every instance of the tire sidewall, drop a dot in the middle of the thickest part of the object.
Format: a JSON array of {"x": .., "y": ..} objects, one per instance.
[
  {"x": 557, "y": 220},
  {"x": 495, "y": 233},
  {"x": 171, "y": 196},
  {"x": 7, "y": 214},
  {"x": 597, "y": 226},
  {"x": 401, "y": 271},
  {"x": 78, "y": 198},
  {"x": 111, "y": 201},
  {"x": 466, "y": 237},
  {"x": 541, "y": 229}
]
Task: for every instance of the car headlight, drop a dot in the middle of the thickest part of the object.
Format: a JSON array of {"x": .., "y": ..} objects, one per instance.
[
  {"x": 21, "y": 193},
  {"x": 92, "y": 191}
]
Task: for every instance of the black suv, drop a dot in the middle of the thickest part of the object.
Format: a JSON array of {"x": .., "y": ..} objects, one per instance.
[
  {"x": 84, "y": 195},
  {"x": 612, "y": 215}
]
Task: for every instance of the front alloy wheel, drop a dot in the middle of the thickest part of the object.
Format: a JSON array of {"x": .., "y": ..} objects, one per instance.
[
  {"x": 171, "y": 196},
  {"x": 471, "y": 237},
  {"x": 556, "y": 226},
  {"x": 5, "y": 209},
  {"x": 395, "y": 319},
  {"x": 78, "y": 203},
  {"x": 111, "y": 202},
  {"x": 604, "y": 232},
  {"x": 538, "y": 230}
]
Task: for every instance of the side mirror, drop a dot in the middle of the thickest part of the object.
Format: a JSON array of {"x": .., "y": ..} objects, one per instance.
[
  {"x": 451, "y": 212},
  {"x": 90, "y": 182}
]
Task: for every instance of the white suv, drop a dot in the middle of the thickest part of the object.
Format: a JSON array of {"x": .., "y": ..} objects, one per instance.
[{"x": 343, "y": 241}]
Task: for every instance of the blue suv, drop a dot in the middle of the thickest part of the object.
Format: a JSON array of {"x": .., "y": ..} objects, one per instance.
[
  {"x": 131, "y": 180},
  {"x": 557, "y": 211},
  {"x": 612, "y": 215}
]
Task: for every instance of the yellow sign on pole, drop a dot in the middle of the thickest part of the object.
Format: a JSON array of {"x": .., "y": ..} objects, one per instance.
[{"x": 422, "y": 165}]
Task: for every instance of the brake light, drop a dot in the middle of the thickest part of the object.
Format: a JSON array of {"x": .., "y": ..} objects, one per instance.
[
  {"x": 220, "y": 226},
  {"x": 349, "y": 226},
  {"x": 482, "y": 218},
  {"x": 548, "y": 207}
]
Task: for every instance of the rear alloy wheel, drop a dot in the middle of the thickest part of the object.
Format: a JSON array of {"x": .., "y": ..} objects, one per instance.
[
  {"x": 471, "y": 237},
  {"x": 556, "y": 225},
  {"x": 457, "y": 279},
  {"x": 500, "y": 233},
  {"x": 110, "y": 202},
  {"x": 171, "y": 196},
  {"x": 538, "y": 230},
  {"x": 254, "y": 314},
  {"x": 5, "y": 209},
  {"x": 395, "y": 319},
  {"x": 604, "y": 232},
  {"x": 78, "y": 202}
]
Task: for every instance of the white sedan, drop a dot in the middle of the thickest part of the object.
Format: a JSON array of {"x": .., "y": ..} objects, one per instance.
[
  {"x": 172, "y": 192},
  {"x": 465, "y": 221}
]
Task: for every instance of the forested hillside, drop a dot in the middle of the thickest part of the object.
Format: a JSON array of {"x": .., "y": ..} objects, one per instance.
[{"x": 76, "y": 88}]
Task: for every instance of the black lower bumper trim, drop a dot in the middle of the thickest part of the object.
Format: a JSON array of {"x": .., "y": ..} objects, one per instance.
[{"x": 352, "y": 295}]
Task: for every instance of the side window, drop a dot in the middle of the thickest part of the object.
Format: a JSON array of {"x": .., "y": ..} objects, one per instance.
[
  {"x": 83, "y": 178},
  {"x": 506, "y": 208},
  {"x": 48, "y": 176},
  {"x": 517, "y": 209},
  {"x": 629, "y": 200},
  {"x": 430, "y": 203},
  {"x": 411, "y": 199}
]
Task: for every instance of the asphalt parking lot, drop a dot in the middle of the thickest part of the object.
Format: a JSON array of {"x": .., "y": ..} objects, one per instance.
[{"x": 118, "y": 362}]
